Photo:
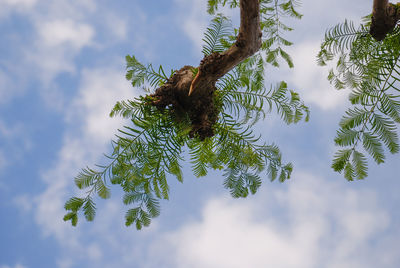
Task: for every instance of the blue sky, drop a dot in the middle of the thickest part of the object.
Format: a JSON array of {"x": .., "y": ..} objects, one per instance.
[{"x": 61, "y": 70}]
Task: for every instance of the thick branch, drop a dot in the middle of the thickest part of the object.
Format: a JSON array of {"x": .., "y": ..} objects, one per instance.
[
  {"x": 249, "y": 39},
  {"x": 200, "y": 106},
  {"x": 380, "y": 4},
  {"x": 384, "y": 18},
  {"x": 248, "y": 42}
]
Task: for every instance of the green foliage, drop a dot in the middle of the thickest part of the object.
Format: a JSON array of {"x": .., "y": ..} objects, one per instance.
[
  {"x": 216, "y": 37},
  {"x": 249, "y": 100},
  {"x": 371, "y": 70},
  {"x": 154, "y": 144},
  {"x": 74, "y": 204},
  {"x": 138, "y": 74}
]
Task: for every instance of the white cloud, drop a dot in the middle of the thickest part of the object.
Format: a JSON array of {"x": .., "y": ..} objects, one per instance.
[
  {"x": 116, "y": 26},
  {"x": 94, "y": 252},
  {"x": 57, "y": 43},
  {"x": 7, "y": 6},
  {"x": 323, "y": 11},
  {"x": 65, "y": 263},
  {"x": 18, "y": 265},
  {"x": 25, "y": 3},
  {"x": 65, "y": 32},
  {"x": 311, "y": 79},
  {"x": 316, "y": 223},
  {"x": 60, "y": 30},
  {"x": 100, "y": 89},
  {"x": 62, "y": 9}
]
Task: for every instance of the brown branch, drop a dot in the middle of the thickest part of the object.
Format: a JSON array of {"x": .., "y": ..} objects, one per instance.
[
  {"x": 248, "y": 42},
  {"x": 384, "y": 18},
  {"x": 194, "y": 96}
]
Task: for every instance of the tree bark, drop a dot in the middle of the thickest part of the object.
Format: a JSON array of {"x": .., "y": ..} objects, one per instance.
[
  {"x": 384, "y": 18},
  {"x": 195, "y": 95}
]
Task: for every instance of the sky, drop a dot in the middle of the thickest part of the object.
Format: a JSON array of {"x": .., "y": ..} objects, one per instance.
[{"x": 62, "y": 68}]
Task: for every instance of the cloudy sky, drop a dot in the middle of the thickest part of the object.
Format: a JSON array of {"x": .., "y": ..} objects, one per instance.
[{"x": 61, "y": 70}]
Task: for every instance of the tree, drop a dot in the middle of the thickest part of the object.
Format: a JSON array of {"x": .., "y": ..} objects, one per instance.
[
  {"x": 207, "y": 111},
  {"x": 367, "y": 63}
]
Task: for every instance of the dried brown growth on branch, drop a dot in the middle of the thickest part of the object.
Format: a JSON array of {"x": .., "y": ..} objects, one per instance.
[
  {"x": 384, "y": 18},
  {"x": 199, "y": 104}
]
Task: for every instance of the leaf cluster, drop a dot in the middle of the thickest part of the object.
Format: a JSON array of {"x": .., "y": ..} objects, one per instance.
[
  {"x": 371, "y": 70},
  {"x": 218, "y": 36},
  {"x": 141, "y": 75}
]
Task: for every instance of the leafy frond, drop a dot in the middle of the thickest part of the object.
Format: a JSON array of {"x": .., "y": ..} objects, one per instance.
[
  {"x": 217, "y": 35},
  {"x": 214, "y": 4},
  {"x": 244, "y": 93},
  {"x": 356, "y": 168},
  {"x": 139, "y": 74},
  {"x": 374, "y": 147},
  {"x": 141, "y": 157},
  {"x": 340, "y": 38},
  {"x": 202, "y": 155},
  {"x": 273, "y": 14},
  {"x": 371, "y": 70}
]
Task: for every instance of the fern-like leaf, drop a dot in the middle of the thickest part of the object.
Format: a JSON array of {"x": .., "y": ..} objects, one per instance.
[
  {"x": 371, "y": 70},
  {"x": 219, "y": 31}
]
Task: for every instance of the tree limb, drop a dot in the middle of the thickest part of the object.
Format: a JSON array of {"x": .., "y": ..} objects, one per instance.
[
  {"x": 248, "y": 42},
  {"x": 384, "y": 18},
  {"x": 195, "y": 95}
]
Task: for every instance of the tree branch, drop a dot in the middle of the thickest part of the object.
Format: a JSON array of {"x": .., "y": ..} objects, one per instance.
[
  {"x": 195, "y": 95},
  {"x": 384, "y": 18},
  {"x": 248, "y": 42}
]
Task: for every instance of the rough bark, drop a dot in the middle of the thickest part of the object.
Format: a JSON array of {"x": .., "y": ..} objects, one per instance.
[
  {"x": 194, "y": 95},
  {"x": 384, "y": 18}
]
